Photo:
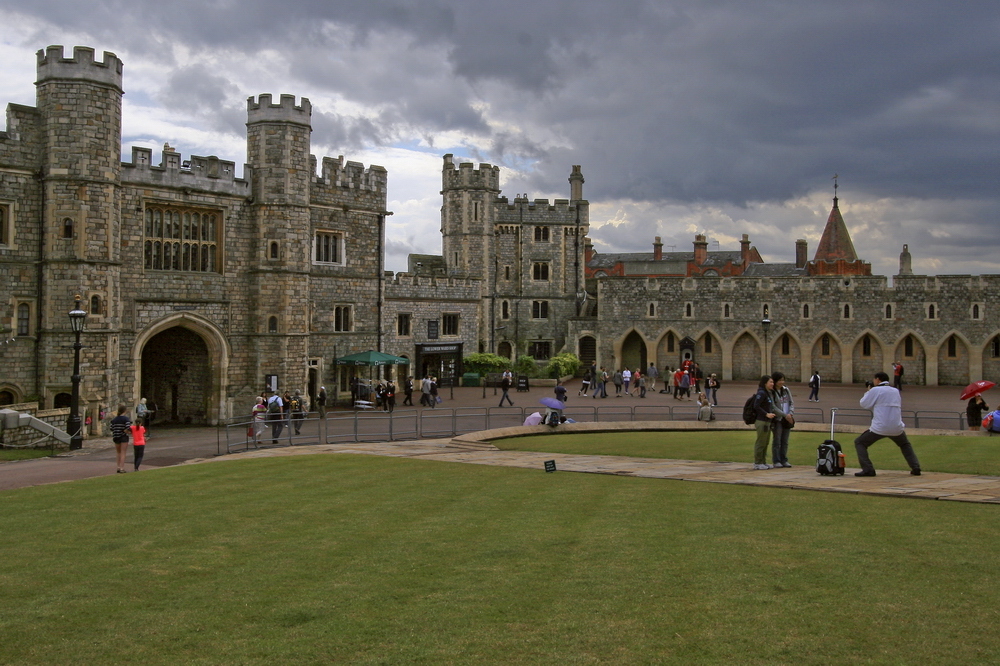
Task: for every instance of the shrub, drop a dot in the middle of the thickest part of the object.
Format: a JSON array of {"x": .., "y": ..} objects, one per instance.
[
  {"x": 485, "y": 363},
  {"x": 563, "y": 364},
  {"x": 526, "y": 365}
]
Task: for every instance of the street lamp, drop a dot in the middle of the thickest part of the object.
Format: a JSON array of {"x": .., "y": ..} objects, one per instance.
[
  {"x": 74, "y": 426},
  {"x": 765, "y": 324}
]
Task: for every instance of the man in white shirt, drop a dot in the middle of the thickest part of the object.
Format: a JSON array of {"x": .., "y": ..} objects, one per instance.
[{"x": 887, "y": 421}]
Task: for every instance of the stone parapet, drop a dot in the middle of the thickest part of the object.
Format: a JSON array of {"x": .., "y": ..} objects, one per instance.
[
  {"x": 261, "y": 110},
  {"x": 53, "y": 65}
]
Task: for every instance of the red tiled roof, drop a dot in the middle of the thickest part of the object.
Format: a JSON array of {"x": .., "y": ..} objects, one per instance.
[{"x": 836, "y": 241}]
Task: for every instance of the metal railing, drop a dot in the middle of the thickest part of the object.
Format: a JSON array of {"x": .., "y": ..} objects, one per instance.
[{"x": 440, "y": 422}]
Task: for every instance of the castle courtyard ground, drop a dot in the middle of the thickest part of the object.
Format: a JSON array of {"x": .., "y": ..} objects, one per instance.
[{"x": 182, "y": 445}]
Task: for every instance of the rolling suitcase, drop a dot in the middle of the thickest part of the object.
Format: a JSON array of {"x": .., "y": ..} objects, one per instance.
[{"x": 829, "y": 455}]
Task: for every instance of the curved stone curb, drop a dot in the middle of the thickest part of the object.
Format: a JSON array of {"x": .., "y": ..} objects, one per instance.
[{"x": 482, "y": 438}]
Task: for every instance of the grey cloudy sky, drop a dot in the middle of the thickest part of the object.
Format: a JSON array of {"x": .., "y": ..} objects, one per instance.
[{"x": 714, "y": 116}]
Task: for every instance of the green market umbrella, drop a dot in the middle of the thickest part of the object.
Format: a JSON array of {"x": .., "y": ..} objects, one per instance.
[{"x": 371, "y": 358}]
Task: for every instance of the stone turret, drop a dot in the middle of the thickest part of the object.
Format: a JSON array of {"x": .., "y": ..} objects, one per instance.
[
  {"x": 79, "y": 102},
  {"x": 278, "y": 149},
  {"x": 278, "y": 145},
  {"x": 905, "y": 261},
  {"x": 468, "y": 216}
]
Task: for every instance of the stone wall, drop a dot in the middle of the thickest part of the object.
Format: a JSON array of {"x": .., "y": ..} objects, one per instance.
[
  {"x": 624, "y": 306},
  {"x": 27, "y": 436}
]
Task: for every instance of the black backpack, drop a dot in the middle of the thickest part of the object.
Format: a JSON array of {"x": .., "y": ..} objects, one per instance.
[{"x": 749, "y": 412}]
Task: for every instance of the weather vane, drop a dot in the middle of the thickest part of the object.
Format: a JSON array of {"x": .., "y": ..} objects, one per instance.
[{"x": 835, "y": 177}]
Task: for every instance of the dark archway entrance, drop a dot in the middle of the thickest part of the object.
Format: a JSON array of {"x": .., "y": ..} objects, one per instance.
[
  {"x": 634, "y": 352},
  {"x": 587, "y": 349},
  {"x": 176, "y": 376}
]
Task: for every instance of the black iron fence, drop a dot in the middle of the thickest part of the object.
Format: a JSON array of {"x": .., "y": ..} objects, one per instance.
[{"x": 410, "y": 424}]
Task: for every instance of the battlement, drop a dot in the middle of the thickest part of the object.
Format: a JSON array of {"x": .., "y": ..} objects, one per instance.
[
  {"x": 202, "y": 173},
  {"x": 412, "y": 285},
  {"x": 349, "y": 175},
  {"x": 262, "y": 110},
  {"x": 466, "y": 175},
  {"x": 82, "y": 66},
  {"x": 538, "y": 205}
]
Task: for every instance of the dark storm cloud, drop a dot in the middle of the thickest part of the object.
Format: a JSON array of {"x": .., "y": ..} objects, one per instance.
[
  {"x": 674, "y": 103},
  {"x": 197, "y": 91}
]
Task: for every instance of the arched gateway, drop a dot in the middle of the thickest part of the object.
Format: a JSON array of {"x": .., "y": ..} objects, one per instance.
[{"x": 181, "y": 366}]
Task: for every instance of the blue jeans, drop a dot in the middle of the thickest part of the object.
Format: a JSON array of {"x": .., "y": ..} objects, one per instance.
[{"x": 779, "y": 442}]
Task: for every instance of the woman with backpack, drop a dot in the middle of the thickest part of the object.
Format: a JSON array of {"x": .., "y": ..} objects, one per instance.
[{"x": 764, "y": 411}]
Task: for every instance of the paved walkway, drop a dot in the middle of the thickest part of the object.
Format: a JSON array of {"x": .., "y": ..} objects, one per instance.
[
  {"x": 179, "y": 445},
  {"x": 930, "y": 485}
]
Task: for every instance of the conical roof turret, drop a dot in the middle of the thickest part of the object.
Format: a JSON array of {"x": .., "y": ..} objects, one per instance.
[{"x": 836, "y": 241}]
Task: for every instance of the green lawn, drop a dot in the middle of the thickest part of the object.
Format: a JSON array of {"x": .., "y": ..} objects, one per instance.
[
  {"x": 355, "y": 559},
  {"x": 961, "y": 455},
  {"x": 7, "y": 455}
]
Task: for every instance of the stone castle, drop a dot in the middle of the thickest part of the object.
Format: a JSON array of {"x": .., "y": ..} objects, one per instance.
[{"x": 200, "y": 287}]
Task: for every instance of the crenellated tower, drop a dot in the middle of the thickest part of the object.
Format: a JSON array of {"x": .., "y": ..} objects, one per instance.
[
  {"x": 278, "y": 144},
  {"x": 79, "y": 102},
  {"x": 467, "y": 216}
]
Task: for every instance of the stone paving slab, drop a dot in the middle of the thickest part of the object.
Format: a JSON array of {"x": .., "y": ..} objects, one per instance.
[{"x": 888, "y": 483}]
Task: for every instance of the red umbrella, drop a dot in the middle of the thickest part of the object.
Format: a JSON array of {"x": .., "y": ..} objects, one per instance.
[{"x": 975, "y": 388}]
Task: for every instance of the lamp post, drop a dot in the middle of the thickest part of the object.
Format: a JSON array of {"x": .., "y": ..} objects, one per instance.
[
  {"x": 74, "y": 426},
  {"x": 765, "y": 324}
]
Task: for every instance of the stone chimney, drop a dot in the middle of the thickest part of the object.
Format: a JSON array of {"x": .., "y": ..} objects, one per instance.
[
  {"x": 745, "y": 250},
  {"x": 801, "y": 253},
  {"x": 588, "y": 250},
  {"x": 700, "y": 250},
  {"x": 576, "y": 184},
  {"x": 657, "y": 249}
]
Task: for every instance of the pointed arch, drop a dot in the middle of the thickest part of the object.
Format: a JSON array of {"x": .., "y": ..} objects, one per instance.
[
  {"x": 747, "y": 356},
  {"x": 709, "y": 351},
  {"x": 664, "y": 356},
  {"x": 911, "y": 349},
  {"x": 827, "y": 356},
  {"x": 868, "y": 356},
  {"x": 631, "y": 349},
  {"x": 787, "y": 359},
  {"x": 219, "y": 353},
  {"x": 989, "y": 355},
  {"x": 953, "y": 354}
]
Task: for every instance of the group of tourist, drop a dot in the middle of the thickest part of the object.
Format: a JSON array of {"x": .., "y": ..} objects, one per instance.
[
  {"x": 278, "y": 410},
  {"x": 774, "y": 409}
]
